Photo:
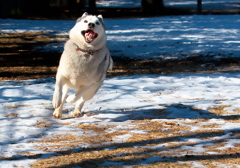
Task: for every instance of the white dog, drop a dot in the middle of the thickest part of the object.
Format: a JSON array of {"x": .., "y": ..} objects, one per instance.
[{"x": 83, "y": 64}]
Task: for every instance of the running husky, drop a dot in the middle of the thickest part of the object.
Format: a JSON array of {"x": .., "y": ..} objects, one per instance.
[{"x": 83, "y": 64}]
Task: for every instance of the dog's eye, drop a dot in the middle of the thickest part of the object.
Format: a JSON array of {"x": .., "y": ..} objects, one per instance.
[
  {"x": 85, "y": 21},
  {"x": 97, "y": 23}
]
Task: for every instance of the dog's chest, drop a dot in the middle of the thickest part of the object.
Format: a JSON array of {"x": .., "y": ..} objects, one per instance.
[
  {"x": 85, "y": 63},
  {"x": 83, "y": 67},
  {"x": 82, "y": 58}
]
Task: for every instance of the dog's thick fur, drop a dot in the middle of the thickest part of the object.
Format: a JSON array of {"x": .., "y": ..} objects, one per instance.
[{"x": 83, "y": 64}]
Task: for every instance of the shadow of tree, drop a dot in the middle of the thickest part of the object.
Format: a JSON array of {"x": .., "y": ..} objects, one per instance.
[
  {"x": 137, "y": 158},
  {"x": 173, "y": 111},
  {"x": 145, "y": 111}
]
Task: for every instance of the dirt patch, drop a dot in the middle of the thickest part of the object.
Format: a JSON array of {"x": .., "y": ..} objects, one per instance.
[
  {"x": 174, "y": 143},
  {"x": 19, "y": 60}
]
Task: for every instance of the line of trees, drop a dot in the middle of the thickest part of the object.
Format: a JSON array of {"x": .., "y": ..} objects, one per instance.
[{"x": 14, "y": 8}]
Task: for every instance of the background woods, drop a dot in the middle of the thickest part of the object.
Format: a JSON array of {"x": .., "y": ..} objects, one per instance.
[
  {"x": 44, "y": 8},
  {"x": 73, "y": 8}
]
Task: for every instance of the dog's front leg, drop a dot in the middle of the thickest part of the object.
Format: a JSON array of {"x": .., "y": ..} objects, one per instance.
[
  {"x": 57, "y": 96},
  {"x": 60, "y": 95}
]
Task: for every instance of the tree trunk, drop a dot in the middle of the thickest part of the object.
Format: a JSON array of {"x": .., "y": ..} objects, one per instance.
[
  {"x": 152, "y": 6},
  {"x": 72, "y": 6},
  {"x": 199, "y": 6},
  {"x": 92, "y": 6}
]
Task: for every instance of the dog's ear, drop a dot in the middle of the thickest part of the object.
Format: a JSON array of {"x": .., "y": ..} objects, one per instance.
[
  {"x": 100, "y": 17},
  {"x": 79, "y": 19},
  {"x": 85, "y": 14},
  {"x": 101, "y": 20}
]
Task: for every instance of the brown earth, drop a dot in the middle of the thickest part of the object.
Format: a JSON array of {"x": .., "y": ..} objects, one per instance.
[{"x": 19, "y": 60}]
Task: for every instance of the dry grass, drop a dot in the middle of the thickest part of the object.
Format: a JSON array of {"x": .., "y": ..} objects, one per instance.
[
  {"x": 157, "y": 130},
  {"x": 237, "y": 110},
  {"x": 16, "y": 106},
  {"x": 43, "y": 124},
  {"x": 219, "y": 110},
  {"x": 160, "y": 139},
  {"x": 12, "y": 115},
  {"x": 163, "y": 139},
  {"x": 94, "y": 127},
  {"x": 61, "y": 138},
  {"x": 18, "y": 60},
  {"x": 137, "y": 148}
]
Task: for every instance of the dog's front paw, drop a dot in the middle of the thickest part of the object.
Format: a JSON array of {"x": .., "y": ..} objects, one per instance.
[
  {"x": 71, "y": 99},
  {"x": 57, "y": 113},
  {"x": 76, "y": 114},
  {"x": 55, "y": 103}
]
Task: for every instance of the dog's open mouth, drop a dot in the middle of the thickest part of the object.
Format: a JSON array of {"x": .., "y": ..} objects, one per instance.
[{"x": 89, "y": 35}]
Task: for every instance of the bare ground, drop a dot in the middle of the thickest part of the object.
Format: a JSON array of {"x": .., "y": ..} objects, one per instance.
[{"x": 19, "y": 61}]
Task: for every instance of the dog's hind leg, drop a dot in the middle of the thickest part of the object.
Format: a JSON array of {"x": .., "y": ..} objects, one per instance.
[
  {"x": 62, "y": 93},
  {"x": 87, "y": 95},
  {"x": 74, "y": 97},
  {"x": 78, "y": 108},
  {"x": 80, "y": 92}
]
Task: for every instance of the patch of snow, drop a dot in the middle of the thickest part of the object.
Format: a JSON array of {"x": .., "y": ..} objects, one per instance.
[
  {"x": 121, "y": 100},
  {"x": 138, "y": 91}
]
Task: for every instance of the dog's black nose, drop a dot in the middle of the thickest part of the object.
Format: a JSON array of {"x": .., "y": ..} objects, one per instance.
[{"x": 91, "y": 25}]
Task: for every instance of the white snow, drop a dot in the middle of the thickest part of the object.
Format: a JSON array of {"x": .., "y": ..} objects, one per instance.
[
  {"x": 120, "y": 100},
  {"x": 119, "y": 4},
  {"x": 206, "y": 4},
  {"x": 192, "y": 4}
]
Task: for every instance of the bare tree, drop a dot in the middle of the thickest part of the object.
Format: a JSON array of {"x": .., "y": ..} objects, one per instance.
[
  {"x": 89, "y": 4},
  {"x": 92, "y": 6},
  {"x": 199, "y": 4},
  {"x": 72, "y": 5},
  {"x": 152, "y": 6}
]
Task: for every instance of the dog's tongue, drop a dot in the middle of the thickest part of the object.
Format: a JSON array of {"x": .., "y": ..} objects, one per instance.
[{"x": 89, "y": 35}]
